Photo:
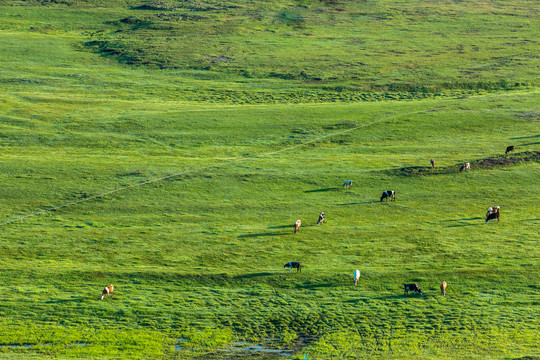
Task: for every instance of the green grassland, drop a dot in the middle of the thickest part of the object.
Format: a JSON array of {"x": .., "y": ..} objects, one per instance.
[{"x": 168, "y": 147}]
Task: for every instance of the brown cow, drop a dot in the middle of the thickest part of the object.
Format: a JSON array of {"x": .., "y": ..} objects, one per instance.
[
  {"x": 443, "y": 288},
  {"x": 297, "y": 225},
  {"x": 432, "y": 162},
  {"x": 109, "y": 290}
]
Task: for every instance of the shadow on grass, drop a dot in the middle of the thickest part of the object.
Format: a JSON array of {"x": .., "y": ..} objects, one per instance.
[
  {"x": 281, "y": 226},
  {"x": 254, "y": 275},
  {"x": 322, "y": 190},
  {"x": 526, "y": 137},
  {"x": 317, "y": 286},
  {"x": 358, "y": 203},
  {"x": 464, "y": 222},
  {"x": 77, "y": 300},
  {"x": 263, "y": 234}
]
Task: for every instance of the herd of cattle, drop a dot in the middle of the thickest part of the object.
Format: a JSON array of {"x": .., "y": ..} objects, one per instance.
[{"x": 492, "y": 214}]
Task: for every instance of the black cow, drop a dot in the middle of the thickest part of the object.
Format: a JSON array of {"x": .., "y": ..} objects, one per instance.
[
  {"x": 388, "y": 194},
  {"x": 492, "y": 216},
  {"x": 509, "y": 149},
  {"x": 294, "y": 265},
  {"x": 412, "y": 287}
]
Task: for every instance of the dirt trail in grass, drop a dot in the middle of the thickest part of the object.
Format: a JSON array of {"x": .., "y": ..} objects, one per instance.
[{"x": 161, "y": 178}]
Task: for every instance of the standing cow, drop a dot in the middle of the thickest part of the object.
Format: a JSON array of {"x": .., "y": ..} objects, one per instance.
[
  {"x": 297, "y": 225},
  {"x": 432, "y": 162},
  {"x": 347, "y": 184},
  {"x": 388, "y": 194},
  {"x": 465, "y": 166},
  {"x": 509, "y": 149}
]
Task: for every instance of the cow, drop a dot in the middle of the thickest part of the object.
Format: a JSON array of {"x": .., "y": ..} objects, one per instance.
[
  {"x": 356, "y": 276},
  {"x": 492, "y": 216},
  {"x": 388, "y": 194},
  {"x": 443, "y": 288},
  {"x": 412, "y": 287},
  {"x": 108, "y": 291},
  {"x": 465, "y": 166},
  {"x": 432, "y": 162},
  {"x": 321, "y": 219},
  {"x": 294, "y": 265},
  {"x": 347, "y": 184},
  {"x": 509, "y": 149},
  {"x": 297, "y": 226}
]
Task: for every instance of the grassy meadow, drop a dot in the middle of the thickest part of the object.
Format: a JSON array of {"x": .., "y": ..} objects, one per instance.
[{"x": 167, "y": 147}]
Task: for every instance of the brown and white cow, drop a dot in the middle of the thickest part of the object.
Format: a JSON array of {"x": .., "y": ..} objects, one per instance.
[
  {"x": 443, "y": 288},
  {"x": 465, "y": 166},
  {"x": 297, "y": 226},
  {"x": 108, "y": 291}
]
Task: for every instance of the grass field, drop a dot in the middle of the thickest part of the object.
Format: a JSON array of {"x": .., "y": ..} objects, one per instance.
[{"x": 177, "y": 175}]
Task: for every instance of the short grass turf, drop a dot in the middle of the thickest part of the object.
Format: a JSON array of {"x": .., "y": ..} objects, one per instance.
[{"x": 197, "y": 253}]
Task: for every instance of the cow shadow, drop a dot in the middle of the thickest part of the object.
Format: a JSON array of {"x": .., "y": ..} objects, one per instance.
[
  {"x": 310, "y": 286},
  {"x": 358, "y": 203},
  {"x": 322, "y": 190},
  {"x": 525, "y": 137},
  {"x": 533, "y": 143},
  {"x": 66, "y": 301},
  {"x": 463, "y": 222},
  {"x": 264, "y": 234},
  {"x": 281, "y": 226}
]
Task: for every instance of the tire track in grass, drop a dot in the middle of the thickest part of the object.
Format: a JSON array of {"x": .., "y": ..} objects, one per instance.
[{"x": 21, "y": 218}]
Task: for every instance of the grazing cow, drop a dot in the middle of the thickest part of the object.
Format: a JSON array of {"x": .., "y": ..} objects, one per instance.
[
  {"x": 492, "y": 216},
  {"x": 443, "y": 288},
  {"x": 509, "y": 149},
  {"x": 109, "y": 290},
  {"x": 388, "y": 194},
  {"x": 321, "y": 219},
  {"x": 432, "y": 162},
  {"x": 465, "y": 166},
  {"x": 412, "y": 287},
  {"x": 297, "y": 225},
  {"x": 294, "y": 265},
  {"x": 356, "y": 276},
  {"x": 347, "y": 184}
]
